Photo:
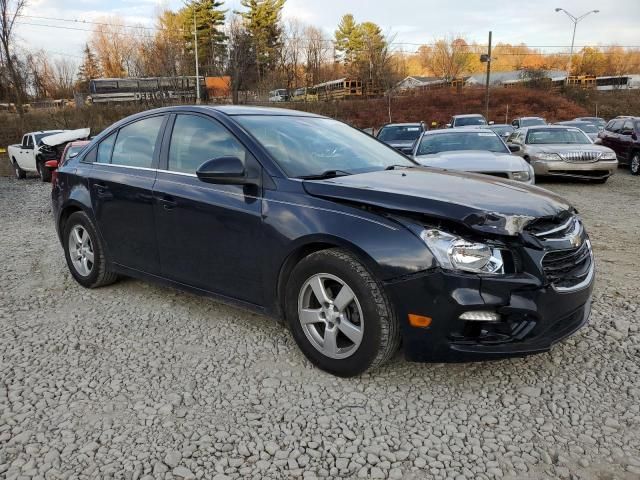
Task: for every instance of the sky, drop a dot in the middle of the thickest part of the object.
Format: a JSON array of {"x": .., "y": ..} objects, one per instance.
[{"x": 408, "y": 22}]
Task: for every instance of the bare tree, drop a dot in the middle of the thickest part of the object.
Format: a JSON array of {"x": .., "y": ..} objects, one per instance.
[
  {"x": 292, "y": 52},
  {"x": 9, "y": 11},
  {"x": 317, "y": 54},
  {"x": 241, "y": 63},
  {"x": 448, "y": 58}
]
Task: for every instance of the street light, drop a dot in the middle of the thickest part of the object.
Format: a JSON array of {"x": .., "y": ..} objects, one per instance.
[{"x": 575, "y": 21}]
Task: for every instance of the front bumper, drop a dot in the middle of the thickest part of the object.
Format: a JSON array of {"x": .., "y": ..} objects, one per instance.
[
  {"x": 534, "y": 316},
  {"x": 586, "y": 170}
]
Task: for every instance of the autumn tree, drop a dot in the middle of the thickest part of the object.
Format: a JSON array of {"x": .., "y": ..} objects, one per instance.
[
  {"x": 116, "y": 46},
  {"x": 89, "y": 68},
  {"x": 449, "y": 58},
  {"x": 262, "y": 21}
]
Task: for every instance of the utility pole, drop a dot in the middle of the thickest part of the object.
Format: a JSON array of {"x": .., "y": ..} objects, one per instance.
[
  {"x": 195, "y": 34},
  {"x": 487, "y": 59}
]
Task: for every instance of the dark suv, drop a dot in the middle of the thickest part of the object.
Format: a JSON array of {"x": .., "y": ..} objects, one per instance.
[
  {"x": 401, "y": 136},
  {"x": 622, "y": 135}
]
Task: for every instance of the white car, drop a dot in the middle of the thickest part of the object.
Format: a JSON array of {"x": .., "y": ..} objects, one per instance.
[
  {"x": 472, "y": 149},
  {"x": 37, "y": 147}
]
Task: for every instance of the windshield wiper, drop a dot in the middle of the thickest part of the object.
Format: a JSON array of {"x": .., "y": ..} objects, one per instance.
[
  {"x": 325, "y": 174},
  {"x": 393, "y": 167}
]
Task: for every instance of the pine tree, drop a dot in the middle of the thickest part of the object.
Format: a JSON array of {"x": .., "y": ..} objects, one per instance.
[
  {"x": 349, "y": 41},
  {"x": 262, "y": 19},
  {"x": 209, "y": 19},
  {"x": 89, "y": 69}
]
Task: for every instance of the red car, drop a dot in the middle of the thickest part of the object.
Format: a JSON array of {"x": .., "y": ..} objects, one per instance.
[{"x": 70, "y": 150}]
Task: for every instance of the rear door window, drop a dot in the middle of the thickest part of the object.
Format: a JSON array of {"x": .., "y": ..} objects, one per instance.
[
  {"x": 105, "y": 148},
  {"x": 136, "y": 143}
]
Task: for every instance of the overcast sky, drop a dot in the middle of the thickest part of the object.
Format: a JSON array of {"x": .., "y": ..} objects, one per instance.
[{"x": 408, "y": 21}]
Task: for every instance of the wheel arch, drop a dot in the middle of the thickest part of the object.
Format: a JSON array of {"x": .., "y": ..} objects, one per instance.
[{"x": 305, "y": 247}]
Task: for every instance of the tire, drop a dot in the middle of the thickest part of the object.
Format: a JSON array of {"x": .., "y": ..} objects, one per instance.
[
  {"x": 97, "y": 273},
  {"x": 369, "y": 313},
  {"x": 44, "y": 172},
  {"x": 634, "y": 165},
  {"x": 20, "y": 173}
]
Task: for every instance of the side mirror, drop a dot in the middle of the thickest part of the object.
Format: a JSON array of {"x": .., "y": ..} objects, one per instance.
[
  {"x": 223, "y": 170},
  {"x": 53, "y": 164},
  {"x": 491, "y": 122},
  {"x": 514, "y": 148},
  {"x": 449, "y": 125}
]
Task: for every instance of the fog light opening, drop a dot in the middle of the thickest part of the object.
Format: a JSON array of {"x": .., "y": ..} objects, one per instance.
[{"x": 481, "y": 316}]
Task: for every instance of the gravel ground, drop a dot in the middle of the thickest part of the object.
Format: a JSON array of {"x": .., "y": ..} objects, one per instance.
[{"x": 139, "y": 381}]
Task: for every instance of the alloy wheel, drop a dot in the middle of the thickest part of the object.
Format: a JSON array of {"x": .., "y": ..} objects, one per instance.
[
  {"x": 635, "y": 164},
  {"x": 330, "y": 315},
  {"x": 81, "y": 250}
]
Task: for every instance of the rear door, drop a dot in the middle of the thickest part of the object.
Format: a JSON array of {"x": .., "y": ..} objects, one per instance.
[
  {"x": 208, "y": 234},
  {"x": 625, "y": 140},
  {"x": 121, "y": 183},
  {"x": 611, "y": 134}
]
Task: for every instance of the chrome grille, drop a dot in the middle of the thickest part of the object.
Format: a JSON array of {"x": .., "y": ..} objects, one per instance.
[{"x": 580, "y": 156}]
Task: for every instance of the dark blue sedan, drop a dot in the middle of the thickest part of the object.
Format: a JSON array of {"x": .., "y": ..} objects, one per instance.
[{"x": 307, "y": 219}]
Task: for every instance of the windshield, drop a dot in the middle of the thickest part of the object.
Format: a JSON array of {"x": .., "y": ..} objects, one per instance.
[
  {"x": 73, "y": 151},
  {"x": 455, "y": 141},
  {"x": 530, "y": 122},
  {"x": 502, "y": 130},
  {"x": 585, "y": 127},
  {"x": 462, "y": 121},
  {"x": 545, "y": 136},
  {"x": 306, "y": 146},
  {"x": 399, "y": 132}
]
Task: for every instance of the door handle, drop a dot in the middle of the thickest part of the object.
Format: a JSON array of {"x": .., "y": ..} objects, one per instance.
[
  {"x": 102, "y": 190},
  {"x": 168, "y": 202}
]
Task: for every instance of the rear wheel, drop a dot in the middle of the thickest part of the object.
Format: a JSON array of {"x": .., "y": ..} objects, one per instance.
[
  {"x": 84, "y": 252},
  {"x": 635, "y": 164},
  {"x": 20, "y": 173},
  {"x": 339, "y": 315}
]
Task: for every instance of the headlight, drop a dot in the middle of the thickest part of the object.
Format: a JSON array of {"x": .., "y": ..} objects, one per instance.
[
  {"x": 456, "y": 253},
  {"x": 608, "y": 156},
  {"x": 551, "y": 157},
  {"x": 521, "y": 176}
]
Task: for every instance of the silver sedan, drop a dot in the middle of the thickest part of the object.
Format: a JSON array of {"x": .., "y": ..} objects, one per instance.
[
  {"x": 472, "y": 149},
  {"x": 561, "y": 151}
]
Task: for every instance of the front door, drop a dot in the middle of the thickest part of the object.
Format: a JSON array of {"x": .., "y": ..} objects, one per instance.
[
  {"x": 208, "y": 235},
  {"x": 121, "y": 184}
]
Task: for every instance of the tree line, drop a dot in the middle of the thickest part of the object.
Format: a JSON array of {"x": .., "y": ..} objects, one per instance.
[{"x": 260, "y": 51}]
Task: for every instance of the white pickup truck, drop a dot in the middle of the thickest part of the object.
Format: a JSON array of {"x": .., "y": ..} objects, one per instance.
[{"x": 31, "y": 154}]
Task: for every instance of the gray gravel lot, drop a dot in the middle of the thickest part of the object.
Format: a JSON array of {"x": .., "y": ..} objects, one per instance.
[{"x": 139, "y": 381}]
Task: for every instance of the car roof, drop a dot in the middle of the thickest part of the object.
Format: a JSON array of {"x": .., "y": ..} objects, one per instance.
[
  {"x": 525, "y": 118},
  {"x": 468, "y": 115},
  {"x": 573, "y": 122},
  {"x": 251, "y": 110},
  {"x": 406, "y": 124},
  {"x": 499, "y": 125},
  {"x": 460, "y": 130}
]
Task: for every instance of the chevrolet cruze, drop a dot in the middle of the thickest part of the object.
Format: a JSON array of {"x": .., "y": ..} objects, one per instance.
[{"x": 304, "y": 218}]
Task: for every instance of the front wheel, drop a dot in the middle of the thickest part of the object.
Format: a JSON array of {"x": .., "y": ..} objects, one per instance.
[
  {"x": 20, "y": 173},
  {"x": 84, "y": 252},
  {"x": 339, "y": 315},
  {"x": 635, "y": 164}
]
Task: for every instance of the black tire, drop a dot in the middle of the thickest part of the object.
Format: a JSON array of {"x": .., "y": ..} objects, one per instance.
[
  {"x": 100, "y": 275},
  {"x": 20, "y": 173},
  {"x": 43, "y": 171},
  {"x": 634, "y": 164},
  {"x": 381, "y": 331}
]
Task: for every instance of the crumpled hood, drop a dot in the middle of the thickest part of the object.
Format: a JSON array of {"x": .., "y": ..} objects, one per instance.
[
  {"x": 482, "y": 203},
  {"x": 66, "y": 136},
  {"x": 474, "y": 161}
]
